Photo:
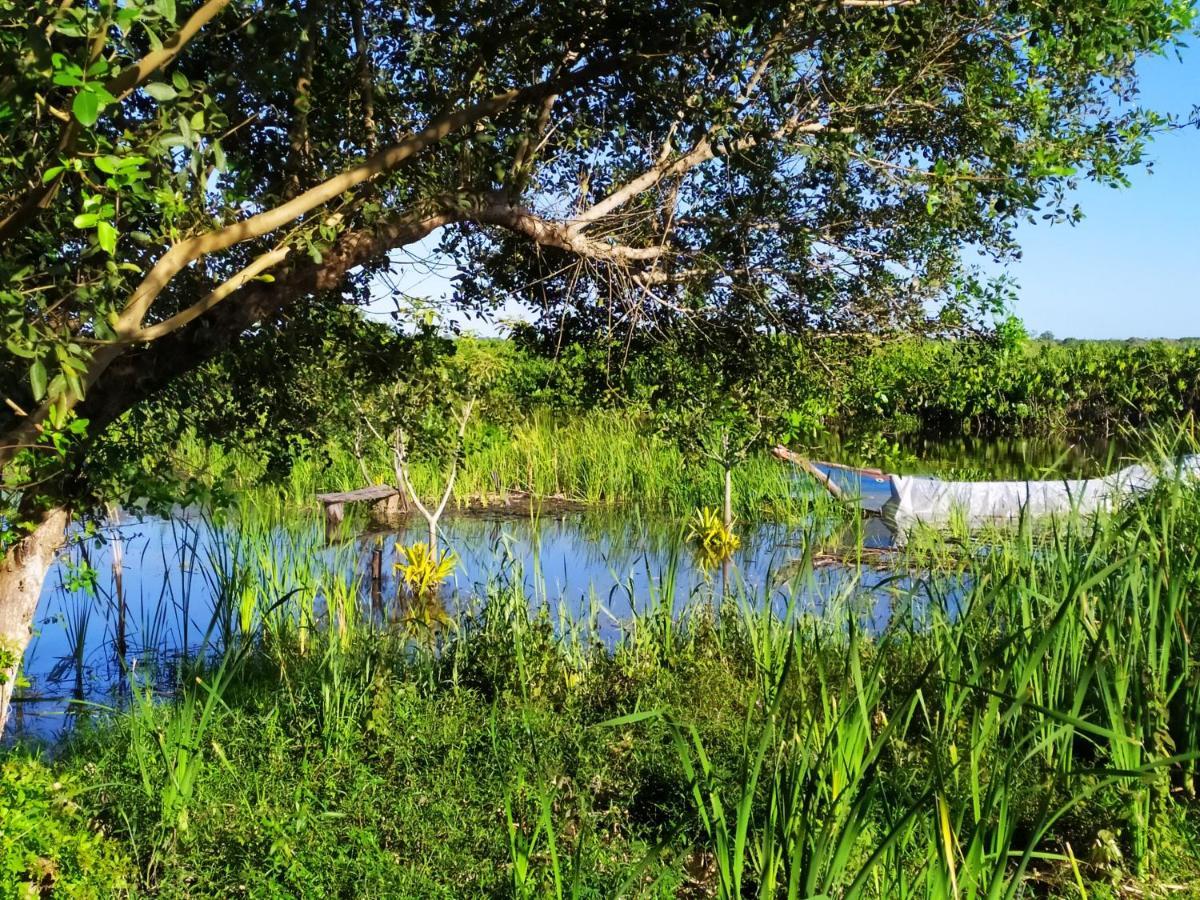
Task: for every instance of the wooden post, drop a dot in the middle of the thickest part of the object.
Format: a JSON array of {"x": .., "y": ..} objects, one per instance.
[
  {"x": 334, "y": 513},
  {"x": 377, "y": 578},
  {"x": 824, "y": 480},
  {"x": 385, "y": 512}
]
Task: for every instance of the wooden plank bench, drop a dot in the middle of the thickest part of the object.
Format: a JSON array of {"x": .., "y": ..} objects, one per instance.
[{"x": 386, "y": 504}]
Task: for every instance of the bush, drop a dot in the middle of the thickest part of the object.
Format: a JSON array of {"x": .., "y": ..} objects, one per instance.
[{"x": 48, "y": 848}]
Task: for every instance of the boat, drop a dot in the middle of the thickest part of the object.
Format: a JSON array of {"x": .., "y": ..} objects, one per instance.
[{"x": 905, "y": 500}]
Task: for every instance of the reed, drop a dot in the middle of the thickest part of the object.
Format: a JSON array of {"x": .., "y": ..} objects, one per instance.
[
  {"x": 604, "y": 457},
  {"x": 1030, "y": 710}
]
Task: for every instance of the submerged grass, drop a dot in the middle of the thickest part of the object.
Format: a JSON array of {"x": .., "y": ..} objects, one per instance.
[{"x": 1026, "y": 723}]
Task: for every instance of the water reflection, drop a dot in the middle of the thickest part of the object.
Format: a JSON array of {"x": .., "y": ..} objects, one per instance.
[
  {"x": 989, "y": 458},
  {"x": 156, "y": 584}
]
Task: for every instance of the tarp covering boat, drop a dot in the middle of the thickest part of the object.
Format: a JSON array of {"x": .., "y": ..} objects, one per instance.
[{"x": 910, "y": 499}]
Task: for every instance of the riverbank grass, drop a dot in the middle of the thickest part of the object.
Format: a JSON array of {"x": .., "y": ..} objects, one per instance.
[{"x": 1028, "y": 719}]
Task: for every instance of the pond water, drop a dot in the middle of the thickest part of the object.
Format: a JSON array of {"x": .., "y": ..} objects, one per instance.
[
  {"x": 607, "y": 566},
  {"x": 159, "y": 602},
  {"x": 970, "y": 457}
]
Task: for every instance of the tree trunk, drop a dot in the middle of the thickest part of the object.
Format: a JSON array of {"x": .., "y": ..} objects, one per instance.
[
  {"x": 728, "y": 497},
  {"x": 117, "y": 549},
  {"x": 22, "y": 572}
]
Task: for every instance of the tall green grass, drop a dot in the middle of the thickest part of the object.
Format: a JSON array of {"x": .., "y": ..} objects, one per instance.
[
  {"x": 1028, "y": 720},
  {"x": 603, "y": 457}
]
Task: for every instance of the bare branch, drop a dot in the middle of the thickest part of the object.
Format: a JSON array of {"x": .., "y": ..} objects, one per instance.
[
  {"x": 556, "y": 234},
  {"x": 462, "y": 432},
  {"x": 701, "y": 152}
]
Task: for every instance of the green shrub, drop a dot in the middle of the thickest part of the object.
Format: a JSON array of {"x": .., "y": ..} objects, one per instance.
[{"x": 48, "y": 848}]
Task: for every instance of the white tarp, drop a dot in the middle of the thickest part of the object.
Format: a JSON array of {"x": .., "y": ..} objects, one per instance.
[{"x": 923, "y": 499}]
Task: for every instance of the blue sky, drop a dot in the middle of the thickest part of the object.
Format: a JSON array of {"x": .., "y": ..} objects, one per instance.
[{"x": 1130, "y": 269}]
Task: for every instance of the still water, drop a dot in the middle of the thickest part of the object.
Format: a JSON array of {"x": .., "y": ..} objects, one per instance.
[
  {"x": 159, "y": 602},
  {"x": 152, "y": 597}
]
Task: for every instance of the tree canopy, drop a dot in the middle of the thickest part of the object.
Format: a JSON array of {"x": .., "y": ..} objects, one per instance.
[{"x": 175, "y": 180}]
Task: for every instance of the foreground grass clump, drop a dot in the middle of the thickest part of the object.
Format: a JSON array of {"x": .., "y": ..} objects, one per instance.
[
  {"x": 49, "y": 846},
  {"x": 1027, "y": 723}
]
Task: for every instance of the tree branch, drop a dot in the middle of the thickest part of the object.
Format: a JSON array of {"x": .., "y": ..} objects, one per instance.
[
  {"x": 366, "y": 86},
  {"x": 120, "y": 86},
  {"x": 212, "y": 298},
  {"x": 701, "y": 152},
  {"x": 187, "y": 251},
  {"x": 138, "y": 374}
]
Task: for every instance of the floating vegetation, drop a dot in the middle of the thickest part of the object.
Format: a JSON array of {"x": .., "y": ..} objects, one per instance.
[{"x": 423, "y": 570}]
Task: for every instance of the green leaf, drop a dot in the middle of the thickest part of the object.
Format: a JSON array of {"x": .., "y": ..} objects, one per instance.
[
  {"x": 37, "y": 379},
  {"x": 86, "y": 107},
  {"x": 19, "y": 349},
  {"x": 166, "y": 9},
  {"x": 160, "y": 91},
  {"x": 106, "y": 236},
  {"x": 51, "y": 173},
  {"x": 86, "y": 220},
  {"x": 102, "y": 94},
  {"x": 108, "y": 164},
  {"x": 155, "y": 41},
  {"x": 179, "y": 80},
  {"x": 219, "y": 157},
  {"x": 126, "y": 16}
]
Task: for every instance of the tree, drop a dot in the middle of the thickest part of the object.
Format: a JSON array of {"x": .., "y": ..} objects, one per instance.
[
  {"x": 426, "y": 414},
  {"x": 715, "y": 400},
  {"x": 174, "y": 181}
]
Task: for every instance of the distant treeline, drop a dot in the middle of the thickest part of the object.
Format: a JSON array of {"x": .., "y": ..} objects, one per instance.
[
  {"x": 1009, "y": 386},
  {"x": 866, "y": 392}
]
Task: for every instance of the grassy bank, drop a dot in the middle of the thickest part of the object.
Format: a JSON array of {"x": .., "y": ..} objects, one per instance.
[
  {"x": 605, "y": 457},
  {"x": 1028, "y": 722},
  {"x": 590, "y": 425}
]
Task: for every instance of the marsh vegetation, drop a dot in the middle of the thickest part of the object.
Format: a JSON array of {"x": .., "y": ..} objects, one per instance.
[
  {"x": 980, "y": 714},
  {"x": 618, "y": 650}
]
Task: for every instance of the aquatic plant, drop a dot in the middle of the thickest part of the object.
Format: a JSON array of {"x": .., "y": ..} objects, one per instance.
[
  {"x": 715, "y": 541},
  {"x": 1026, "y": 711},
  {"x": 423, "y": 570}
]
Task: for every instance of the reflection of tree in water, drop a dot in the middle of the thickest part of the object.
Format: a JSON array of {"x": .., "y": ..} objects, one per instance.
[{"x": 424, "y": 618}]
